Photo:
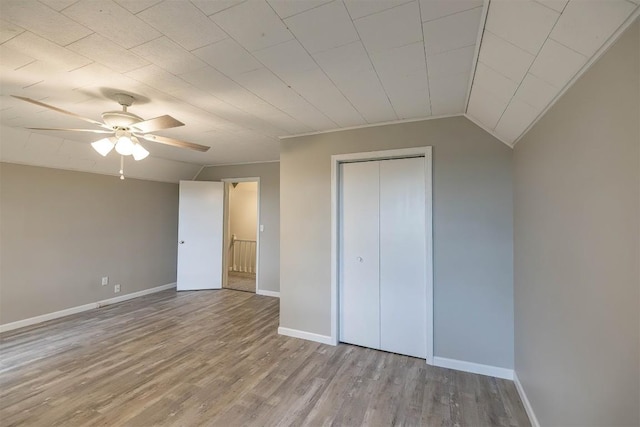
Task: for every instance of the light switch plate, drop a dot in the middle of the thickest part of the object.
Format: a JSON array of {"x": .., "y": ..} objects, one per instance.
[{"x": 105, "y": 280}]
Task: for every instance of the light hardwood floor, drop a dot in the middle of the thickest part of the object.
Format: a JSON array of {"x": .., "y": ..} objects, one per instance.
[{"x": 213, "y": 358}]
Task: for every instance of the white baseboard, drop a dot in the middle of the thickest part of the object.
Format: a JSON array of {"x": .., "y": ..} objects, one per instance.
[
  {"x": 46, "y": 317},
  {"x": 525, "y": 402},
  {"x": 79, "y": 309},
  {"x": 310, "y": 336},
  {"x": 132, "y": 295},
  {"x": 474, "y": 368},
  {"x": 268, "y": 293}
]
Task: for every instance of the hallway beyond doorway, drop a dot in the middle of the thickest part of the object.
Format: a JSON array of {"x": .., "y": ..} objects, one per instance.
[{"x": 241, "y": 282}]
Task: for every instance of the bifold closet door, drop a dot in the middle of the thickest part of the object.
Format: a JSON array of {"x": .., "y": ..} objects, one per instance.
[
  {"x": 382, "y": 247},
  {"x": 359, "y": 254},
  {"x": 403, "y": 293}
]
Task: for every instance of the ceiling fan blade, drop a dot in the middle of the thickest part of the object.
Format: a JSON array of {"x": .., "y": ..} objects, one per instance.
[
  {"x": 60, "y": 110},
  {"x": 75, "y": 130},
  {"x": 158, "y": 123},
  {"x": 174, "y": 142}
]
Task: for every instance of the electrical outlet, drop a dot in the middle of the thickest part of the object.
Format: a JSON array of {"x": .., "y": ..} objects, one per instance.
[
  {"x": 105, "y": 280},
  {"x": 116, "y": 289}
]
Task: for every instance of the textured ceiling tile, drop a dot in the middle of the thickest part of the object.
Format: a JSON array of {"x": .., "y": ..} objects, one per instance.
[
  {"x": 135, "y": 6},
  {"x": 314, "y": 86},
  {"x": 42, "y": 20},
  {"x": 390, "y": 29},
  {"x": 310, "y": 27},
  {"x": 515, "y": 120},
  {"x": 407, "y": 87},
  {"x": 557, "y": 5},
  {"x": 585, "y": 25},
  {"x": 266, "y": 85},
  {"x": 209, "y": 7},
  {"x": 58, "y": 4},
  {"x": 44, "y": 50},
  {"x": 12, "y": 59},
  {"x": 359, "y": 8},
  {"x": 557, "y": 64},
  {"x": 492, "y": 82},
  {"x": 112, "y": 21},
  {"x": 228, "y": 57},
  {"x": 451, "y": 62},
  {"x": 183, "y": 23},
  {"x": 287, "y": 8},
  {"x": 485, "y": 107},
  {"x": 452, "y": 32},
  {"x": 502, "y": 56},
  {"x": 8, "y": 30},
  {"x": 448, "y": 93},
  {"x": 286, "y": 60},
  {"x": 351, "y": 70},
  {"x": 434, "y": 9},
  {"x": 536, "y": 92},
  {"x": 169, "y": 56},
  {"x": 525, "y": 24},
  {"x": 107, "y": 53},
  {"x": 253, "y": 24}
]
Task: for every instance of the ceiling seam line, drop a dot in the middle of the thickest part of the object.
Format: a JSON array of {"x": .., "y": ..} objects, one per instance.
[
  {"x": 476, "y": 53},
  {"x": 426, "y": 60},
  {"x": 451, "y": 14},
  {"x": 325, "y": 73},
  {"x": 372, "y": 64},
  {"x": 525, "y": 75},
  {"x": 404, "y": 3}
]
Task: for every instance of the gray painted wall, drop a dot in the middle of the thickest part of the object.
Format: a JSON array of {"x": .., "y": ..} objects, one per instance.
[
  {"x": 269, "y": 174},
  {"x": 577, "y": 257},
  {"x": 61, "y": 231},
  {"x": 473, "y": 225}
]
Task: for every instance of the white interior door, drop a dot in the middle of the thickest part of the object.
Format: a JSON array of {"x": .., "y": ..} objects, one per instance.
[
  {"x": 359, "y": 260},
  {"x": 403, "y": 275},
  {"x": 200, "y": 235}
]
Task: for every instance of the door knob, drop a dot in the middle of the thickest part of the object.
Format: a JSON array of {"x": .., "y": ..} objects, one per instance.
[
  {"x": 181, "y": 242},
  {"x": 360, "y": 259}
]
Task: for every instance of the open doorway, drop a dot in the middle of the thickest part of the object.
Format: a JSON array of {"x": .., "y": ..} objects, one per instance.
[{"x": 241, "y": 234}]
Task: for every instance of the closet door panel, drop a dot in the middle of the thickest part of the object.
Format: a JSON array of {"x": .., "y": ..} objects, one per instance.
[
  {"x": 403, "y": 256},
  {"x": 359, "y": 257}
]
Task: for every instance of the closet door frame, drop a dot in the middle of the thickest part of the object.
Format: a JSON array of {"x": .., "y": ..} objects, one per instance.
[{"x": 336, "y": 160}]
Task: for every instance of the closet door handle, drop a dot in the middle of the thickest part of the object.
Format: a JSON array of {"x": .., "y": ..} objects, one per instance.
[{"x": 359, "y": 259}]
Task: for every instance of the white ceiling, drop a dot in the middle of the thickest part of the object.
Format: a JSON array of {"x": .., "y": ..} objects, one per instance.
[{"x": 242, "y": 73}]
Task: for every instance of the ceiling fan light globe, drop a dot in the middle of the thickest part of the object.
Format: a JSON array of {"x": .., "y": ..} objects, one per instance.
[
  {"x": 124, "y": 146},
  {"x": 103, "y": 146},
  {"x": 139, "y": 152}
]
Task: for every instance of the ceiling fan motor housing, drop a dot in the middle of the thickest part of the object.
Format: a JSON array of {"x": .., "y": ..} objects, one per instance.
[{"x": 120, "y": 119}]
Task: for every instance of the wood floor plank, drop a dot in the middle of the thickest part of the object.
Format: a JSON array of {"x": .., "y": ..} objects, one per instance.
[{"x": 213, "y": 358}]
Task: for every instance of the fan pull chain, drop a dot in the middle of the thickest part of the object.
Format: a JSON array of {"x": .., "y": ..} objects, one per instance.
[{"x": 121, "y": 167}]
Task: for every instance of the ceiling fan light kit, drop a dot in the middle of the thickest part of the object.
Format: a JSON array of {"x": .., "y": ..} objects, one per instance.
[
  {"x": 139, "y": 152},
  {"x": 104, "y": 145},
  {"x": 126, "y": 128}
]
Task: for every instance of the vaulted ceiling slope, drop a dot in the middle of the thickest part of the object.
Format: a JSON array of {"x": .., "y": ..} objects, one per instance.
[
  {"x": 531, "y": 51},
  {"x": 241, "y": 73}
]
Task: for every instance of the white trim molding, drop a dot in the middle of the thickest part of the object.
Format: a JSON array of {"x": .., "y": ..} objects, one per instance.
[
  {"x": 474, "y": 368},
  {"x": 80, "y": 308},
  {"x": 266, "y": 293},
  {"x": 309, "y": 336},
  {"x": 525, "y": 401},
  {"x": 371, "y": 125}
]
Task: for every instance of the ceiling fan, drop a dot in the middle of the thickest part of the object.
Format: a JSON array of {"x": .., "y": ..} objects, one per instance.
[{"x": 126, "y": 129}]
